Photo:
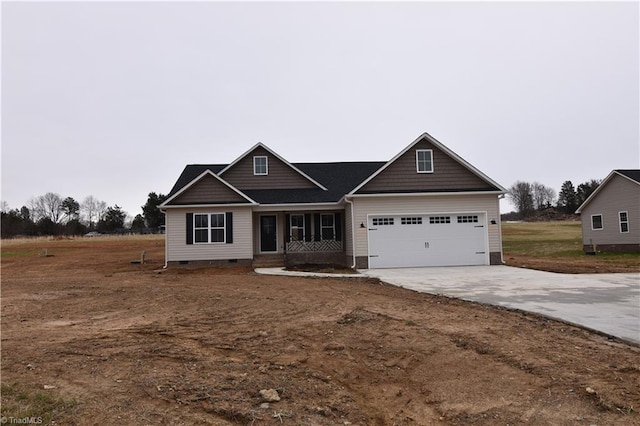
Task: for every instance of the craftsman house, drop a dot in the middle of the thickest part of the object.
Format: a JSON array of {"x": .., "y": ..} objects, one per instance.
[
  {"x": 611, "y": 214},
  {"x": 424, "y": 207}
]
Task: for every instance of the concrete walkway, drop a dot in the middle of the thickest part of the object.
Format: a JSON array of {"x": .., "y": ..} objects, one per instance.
[{"x": 609, "y": 303}]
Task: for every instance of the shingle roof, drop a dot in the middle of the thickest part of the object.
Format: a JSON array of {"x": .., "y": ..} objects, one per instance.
[
  {"x": 339, "y": 178},
  {"x": 633, "y": 174}
]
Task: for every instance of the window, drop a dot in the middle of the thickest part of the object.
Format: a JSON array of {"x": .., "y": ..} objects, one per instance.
[
  {"x": 424, "y": 161},
  {"x": 624, "y": 222},
  {"x": 327, "y": 227},
  {"x": 596, "y": 221},
  {"x": 208, "y": 228},
  {"x": 411, "y": 220},
  {"x": 439, "y": 219},
  {"x": 468, "y": 219},
  {"x": 380, "y": 221},
  {"x": 260, "y": 165},
  {"x": 297, "y": 227}
]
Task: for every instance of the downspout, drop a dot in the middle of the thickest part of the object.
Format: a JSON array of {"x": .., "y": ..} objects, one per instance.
[
  {"x": 166, "y": 253},
  {"x": 353, "y": 233}
]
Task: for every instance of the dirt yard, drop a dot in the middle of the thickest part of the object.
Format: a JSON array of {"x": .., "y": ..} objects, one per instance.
[{"x": 91, "y": 338}]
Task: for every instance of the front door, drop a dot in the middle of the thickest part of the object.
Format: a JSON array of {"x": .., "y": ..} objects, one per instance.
[{"x": 268, "y": 235}]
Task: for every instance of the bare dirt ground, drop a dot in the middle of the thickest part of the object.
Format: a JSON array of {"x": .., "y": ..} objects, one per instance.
[{"x": 134, "y": 344}]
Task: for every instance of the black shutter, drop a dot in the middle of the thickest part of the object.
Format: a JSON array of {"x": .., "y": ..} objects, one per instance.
[
  {"x": 189, "y": 228},
  {"x": 316, "y": 227},
  {"x": 228, "y": 223},
  {"x": 307, "y": 227},
  {"x": 338, "y": 223},
  {"x": 288, "y": 228}
]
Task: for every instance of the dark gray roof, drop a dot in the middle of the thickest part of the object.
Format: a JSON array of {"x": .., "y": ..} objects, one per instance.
[
  {"x": 339, "y": 179},
  {"x": 633, "y": 174}
]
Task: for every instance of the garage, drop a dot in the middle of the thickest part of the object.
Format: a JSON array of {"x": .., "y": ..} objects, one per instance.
[{"x": 417, "y": 240}]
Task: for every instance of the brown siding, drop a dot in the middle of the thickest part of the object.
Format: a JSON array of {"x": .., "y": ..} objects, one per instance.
[
  {"x": 448, "y": 174},
  {"x": 619, "y": 194},
  {"x": 209, "y": 190},
  {"x": 281, "y": 176}
]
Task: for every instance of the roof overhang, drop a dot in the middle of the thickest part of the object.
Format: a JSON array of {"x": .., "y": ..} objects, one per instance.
[{"x": 422, "y": 194}]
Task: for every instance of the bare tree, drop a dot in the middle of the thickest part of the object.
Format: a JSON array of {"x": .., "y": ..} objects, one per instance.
[
  {"x": 47, "y": 206},
  {"x": 543, "y": 196},
  {"x": 521, "y": 196},
  {"x": 93, "y": 210}
]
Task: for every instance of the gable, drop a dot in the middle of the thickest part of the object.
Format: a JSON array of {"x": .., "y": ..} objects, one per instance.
[
  {"x": 279, "y": 175},
  {"x": 206, "y": 189},
  {"x": 448, "y": 174},
  {"x": 618, "y": 193}
]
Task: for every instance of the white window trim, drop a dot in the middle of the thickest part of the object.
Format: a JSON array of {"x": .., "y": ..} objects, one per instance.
[
  {"x": 209, "y": 228},
  {"x": 297, "y": 227},
  {"x": 430, "y": 151},
  {"x": 266, "y": 164},
  {"x": 620, "y": 222},
  {"x": 601, "y": 222}
]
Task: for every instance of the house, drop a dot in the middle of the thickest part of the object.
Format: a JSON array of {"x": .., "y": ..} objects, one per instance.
[
  {"x": 610, "y": 216},
  {"x": 424, "y": 207}
]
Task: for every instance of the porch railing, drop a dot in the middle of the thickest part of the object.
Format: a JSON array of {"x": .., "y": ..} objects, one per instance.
[{"x": 305, "y": 246}]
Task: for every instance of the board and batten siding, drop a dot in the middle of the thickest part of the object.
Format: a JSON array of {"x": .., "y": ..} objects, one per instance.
[
  {"x": 176, "y": 236},
  {"x": 619, "y": 194},
  {"x": 364, "y": 206}
]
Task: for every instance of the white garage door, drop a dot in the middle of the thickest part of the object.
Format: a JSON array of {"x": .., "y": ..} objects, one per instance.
[{"x": 428, "y": 240}]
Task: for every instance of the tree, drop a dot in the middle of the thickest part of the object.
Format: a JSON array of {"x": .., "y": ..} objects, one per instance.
[
  {"x": 112, "y": 220},
  {"x": 70, "y": 208},
  {"x": 521, "y": 196},
  {"x": 137, "y": 225},
  {"x": 543, "y": 196},
  {"x": 585, "y": 189},
  {"x": 567, "y": 199},
  {"x": 48, "y": 206},
  {"x": 153, "y": 217},
  {"x": 93, "y": 210}
]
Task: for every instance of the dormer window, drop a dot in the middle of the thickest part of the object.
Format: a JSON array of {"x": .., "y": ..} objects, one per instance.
[
  {"x": 424, "y": 161},
  {"x": 260, "y": 165}
]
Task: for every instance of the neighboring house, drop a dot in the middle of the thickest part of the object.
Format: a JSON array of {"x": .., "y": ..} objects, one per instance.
[
  {"x": 611, "y": 214},
  {"x": 425, "y": 207}
]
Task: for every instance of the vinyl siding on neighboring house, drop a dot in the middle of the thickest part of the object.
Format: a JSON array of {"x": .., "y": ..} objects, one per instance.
[
  {"x": 402, "y": 175},
  {"x": 364, "y": 206},
  {"x": 176, "y": 236},
  {"x": 619, "y": 194},
  {"x": 280, "y": 175}
]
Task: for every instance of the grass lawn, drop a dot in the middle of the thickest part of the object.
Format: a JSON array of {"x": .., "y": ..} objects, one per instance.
[{"x": 557, "y": 246}]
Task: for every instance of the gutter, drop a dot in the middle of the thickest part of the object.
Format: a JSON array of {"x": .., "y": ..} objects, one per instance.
[
  {"x": 166, "y": 253},
  {"x": 353, "y": 233}
]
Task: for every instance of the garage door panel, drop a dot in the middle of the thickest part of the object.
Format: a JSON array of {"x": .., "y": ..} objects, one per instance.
[{"x": 441, "y": 240}]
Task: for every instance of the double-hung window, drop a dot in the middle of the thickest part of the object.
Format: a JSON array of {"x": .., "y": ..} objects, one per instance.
[
  {"x": 327, "y": 226},
  {"x": 260, "y": 165},
  {"x": 424, "y": 161},
  {"x": 624, "y": 222},
  {"x": 208, "y": 228},
  {"x": 297, "y": 227}
]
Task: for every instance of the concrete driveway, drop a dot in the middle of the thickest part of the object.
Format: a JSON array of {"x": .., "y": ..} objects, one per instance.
[{"x": 609, "y": 303}]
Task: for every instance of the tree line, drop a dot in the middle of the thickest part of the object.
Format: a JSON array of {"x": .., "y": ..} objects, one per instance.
[
  {"x": 535, "y": 200},
  {"x": 51, "y": 214}
]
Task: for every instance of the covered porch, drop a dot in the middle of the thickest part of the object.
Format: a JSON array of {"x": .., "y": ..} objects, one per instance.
[{"x": 294, "y": 237}]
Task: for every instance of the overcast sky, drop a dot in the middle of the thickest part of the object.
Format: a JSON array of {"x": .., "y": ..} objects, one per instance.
[{"x": 114, "y": 99}]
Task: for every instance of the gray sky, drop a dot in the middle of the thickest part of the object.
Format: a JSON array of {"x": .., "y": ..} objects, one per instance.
[{"x": 114, "y": 99}]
